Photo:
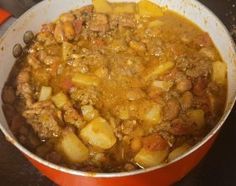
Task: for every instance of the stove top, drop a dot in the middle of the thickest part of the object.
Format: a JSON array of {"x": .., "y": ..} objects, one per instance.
[{"x": 218, "y": 168}]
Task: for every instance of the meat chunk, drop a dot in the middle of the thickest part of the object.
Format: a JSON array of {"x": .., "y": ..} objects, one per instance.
[
  {"x": 48, "y": 27},
  {"x": 43, "y": 118},
  {"x": 33, "y": 61},
  {"x": 71, "y": 116},
  {"x": 99, "y": 23},
  {"x": 154, "y": 46},
  {"x": 199, "y": 68},
  {"x": 127, "y": 20},
  {"x": 194, "y": 66},
  {"x": 113, "y": 21},
  {"x": 179, "y": 127},
  {"x": 87, "y": 96},
  {"x": 23, "y": 87},
  {"x": 128, "y": 126}
]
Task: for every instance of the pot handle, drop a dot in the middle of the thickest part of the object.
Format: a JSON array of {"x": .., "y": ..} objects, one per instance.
[
  {"x": 4, "y": 15},
  {"x": 17, "y": 7}
]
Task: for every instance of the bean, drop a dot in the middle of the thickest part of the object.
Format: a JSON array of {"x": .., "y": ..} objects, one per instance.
[
  {"x": 136, "y": 144},
  {"x": 8, "y": 95},
  {"x": 184, "y": 85},
  {"x": 28, "y": 37},
  {"x": 24, "y": 130},
  {"x": 171, "y": 109},
  {"x": 22, "y": 139},
  {"x": 155, "y": 142},
  {"x": 33, "y": 140},
  {"x": 67, "y": 17},
  {"x": 9, "y": 112},
  {"x": 186, "y": 100},
  {"x": 200, "y": 86},
  {"x": 16, "y": 123},
  {"x": 43, "y": 149},
  {"x": 54, "y": 157},
  {"x": 59, "y": 33},
  {"x": 129, "y": 167},
  {"x": 17, "y": 50},
  {"x": 100, "y": 157},
  {"x": 69, "y": 30}
]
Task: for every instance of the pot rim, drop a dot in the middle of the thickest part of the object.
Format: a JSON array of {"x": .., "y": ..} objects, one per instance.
[{"x": 26, "y": 152}]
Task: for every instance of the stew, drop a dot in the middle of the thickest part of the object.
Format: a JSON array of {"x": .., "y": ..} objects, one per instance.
[{"x": 115, "y": 87}]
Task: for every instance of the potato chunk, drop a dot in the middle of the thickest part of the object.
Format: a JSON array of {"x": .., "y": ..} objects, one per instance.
[
  {"x": 153, "y": 114},
  {"x": 85, "y": 79},
  {"x": 102, "y": 6},
  {"x": 45, "y": 93},
  {"x": 178, "y": 152},
  {"x": 66, "y": 50},
  {"x": 72, "y": 147},
  {"x": 98, "y": 133},
  {"x": 163, "y": 85},
  {"x": 219, "y": 72},
  {"x": 197, "y": 116},
  {"x": 159, "y": 70},
  {"x": 147, "y": 158},
  {"x": 89, "y": 112},
  {"x": 147, "y": 8},
  {"x": 123, "y": 8},
  {"x": 60, "y": 99}
]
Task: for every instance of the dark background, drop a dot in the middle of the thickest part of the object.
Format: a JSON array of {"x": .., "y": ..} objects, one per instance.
[{"x": 218, "y": 168}]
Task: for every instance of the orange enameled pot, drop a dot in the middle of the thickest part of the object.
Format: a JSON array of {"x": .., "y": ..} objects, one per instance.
[
  {"x": 161, "y": 175},
  {"x": 164, "y": 176}
]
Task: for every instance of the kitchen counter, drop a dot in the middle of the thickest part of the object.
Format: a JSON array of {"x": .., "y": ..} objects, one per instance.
[{"x": 218, "y": 168}]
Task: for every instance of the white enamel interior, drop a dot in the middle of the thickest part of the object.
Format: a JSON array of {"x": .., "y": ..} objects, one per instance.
[{"x": 49, "y": 10}]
